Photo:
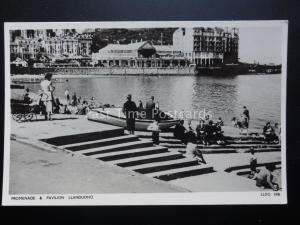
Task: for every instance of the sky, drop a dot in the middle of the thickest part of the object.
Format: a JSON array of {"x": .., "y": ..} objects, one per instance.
[{"x": 262, "y": 44}]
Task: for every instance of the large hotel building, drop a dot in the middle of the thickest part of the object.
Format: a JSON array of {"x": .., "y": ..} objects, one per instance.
[
  {"x": 207, "y": 46},
  {"x": 31, "y": 43}
]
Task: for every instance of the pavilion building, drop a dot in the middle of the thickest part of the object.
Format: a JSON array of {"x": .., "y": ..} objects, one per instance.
[
  {"x": 139, "y": 54},
  {"x": 202, "y": 47}
]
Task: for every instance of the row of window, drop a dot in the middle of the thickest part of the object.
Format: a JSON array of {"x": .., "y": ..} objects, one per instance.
[
  {"x": 120, "y": 51},
  {"x": 204, "y": 37},
  {"x": 206, "y": 49}
]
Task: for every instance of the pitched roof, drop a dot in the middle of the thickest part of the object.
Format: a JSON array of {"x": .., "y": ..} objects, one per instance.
[
  {"x": 164, "y": 47},
  {"x": 132, "y": 46}
]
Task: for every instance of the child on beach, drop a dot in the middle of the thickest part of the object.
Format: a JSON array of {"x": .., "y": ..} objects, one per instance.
[
  {"x": 154, "y": 127},
  {"x": 253, "y": 163}
]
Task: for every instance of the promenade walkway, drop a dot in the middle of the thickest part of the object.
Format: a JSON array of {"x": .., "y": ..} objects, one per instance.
[{"x": 73, "y": 141}]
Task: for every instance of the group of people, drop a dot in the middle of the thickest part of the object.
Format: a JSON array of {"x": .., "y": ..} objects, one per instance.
[
  {"x": 74, "y": 101},
  {"x": 132, "y": 111},
  {"x": 77, "y": 105},
  {"x": 272, "y": 134},
  {"x": 45, "y": 103},
  {"x": 188, "y": 137},
  {"x": 77, "y": 101},
  {"x": 243, "y": 122},
  {"x": 207, "y": 132},
  {"x": 150, "y": 111}
]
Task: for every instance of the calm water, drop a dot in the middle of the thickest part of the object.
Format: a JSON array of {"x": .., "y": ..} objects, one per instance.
[{"x": 224, "y": 96}]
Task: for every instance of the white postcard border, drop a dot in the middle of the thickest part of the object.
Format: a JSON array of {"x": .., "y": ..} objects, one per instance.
[{"x": 203, "y": 198}]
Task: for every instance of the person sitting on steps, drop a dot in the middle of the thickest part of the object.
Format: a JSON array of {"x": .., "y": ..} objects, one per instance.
[
  {"x": 179, "y": 131},
  {"x": 202, "y": 132},
  {"x": 269, "y": 133}
]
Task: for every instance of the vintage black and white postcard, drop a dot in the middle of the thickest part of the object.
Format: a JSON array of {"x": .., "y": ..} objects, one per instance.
[{"x": 145, "y": 113}]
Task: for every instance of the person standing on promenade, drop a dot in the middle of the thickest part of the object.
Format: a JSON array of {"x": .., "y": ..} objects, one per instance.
[
  {"x": 27, "y": 99},
  {"x": 150, "y": 107},
  {"x": 74, "y": 100},
  {"x": 130, "y": 110},
  {"x": 67, "y": 94},
  {"x": 48, "y": 89},
  {"x": 246, "y": 118},
  {"x": 246, "y": 112},
  {"x": 140, "y": 107}
]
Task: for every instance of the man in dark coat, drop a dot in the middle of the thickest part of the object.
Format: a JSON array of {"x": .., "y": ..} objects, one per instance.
[
  {"x": 179, "y": 131},
  {"x": 130, "y": 110}
]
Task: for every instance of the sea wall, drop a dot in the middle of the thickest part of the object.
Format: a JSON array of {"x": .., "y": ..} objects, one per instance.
[
  {"x": 107, "y": 71},
  {"x": 126, "y": 71}
]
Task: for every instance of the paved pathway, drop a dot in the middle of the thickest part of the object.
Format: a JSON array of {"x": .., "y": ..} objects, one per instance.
[{"x": 36, "y": 171}]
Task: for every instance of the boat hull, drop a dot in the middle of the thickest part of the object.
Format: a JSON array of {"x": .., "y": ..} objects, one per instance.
[{"x": 140, "y": 124}]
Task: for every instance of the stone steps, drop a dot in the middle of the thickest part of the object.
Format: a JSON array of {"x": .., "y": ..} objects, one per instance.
[
  {"x": 117, "y": 147},
  {"x": 176, "y": 141},
  {"x": 142, "y": 160},
  {"x": 242, "y": 167},
  {"x": 236, "y": 150},
  {"x": 130, "y": 153},
  {"x": 170, "y": 136},
  {"x": 102, "y": 142},
  {"x": 83, "y": 137},
  {"x": 215, "y": 146},
  {"x": 165, "y": 165},
  {"x": 173, "y": 174},
  {"x": 247, "y": 171}
]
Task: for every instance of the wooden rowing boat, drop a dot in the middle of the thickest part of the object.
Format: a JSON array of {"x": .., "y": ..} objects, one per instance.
[{"x": 115, "y": 116}]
